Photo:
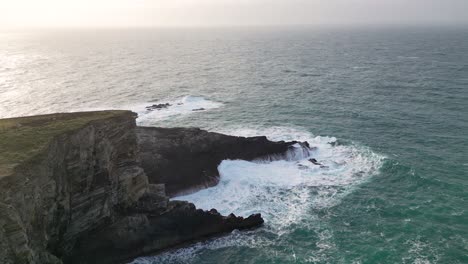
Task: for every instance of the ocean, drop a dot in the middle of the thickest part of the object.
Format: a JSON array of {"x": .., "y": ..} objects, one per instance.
[{"x": 386, "y": 110}]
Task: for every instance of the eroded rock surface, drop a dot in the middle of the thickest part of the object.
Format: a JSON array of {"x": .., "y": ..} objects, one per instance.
[
  {"x": 69, "y": 187},
  {"x": 147, "y": 232},
  {"x": 80, "y": 195},
  {"x": 187, "y": 159}
]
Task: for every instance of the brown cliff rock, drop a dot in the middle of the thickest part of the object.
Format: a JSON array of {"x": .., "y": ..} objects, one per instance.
[{"x": 74, "y": 187}]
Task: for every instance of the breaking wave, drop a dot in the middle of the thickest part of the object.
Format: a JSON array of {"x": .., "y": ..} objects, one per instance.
[
  {"x": 285, "y": 192},
  {"x": 178, "y": 107}
]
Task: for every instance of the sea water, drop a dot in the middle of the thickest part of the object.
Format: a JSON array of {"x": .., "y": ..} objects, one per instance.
[{"x": 385, "y": 110}]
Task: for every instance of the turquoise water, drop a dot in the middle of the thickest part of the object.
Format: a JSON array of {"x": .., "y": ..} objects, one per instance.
[{"x": 386, "y": 108}]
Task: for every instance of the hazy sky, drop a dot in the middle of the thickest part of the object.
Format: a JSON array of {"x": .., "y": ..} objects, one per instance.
[{"x": 131, "y": 13}]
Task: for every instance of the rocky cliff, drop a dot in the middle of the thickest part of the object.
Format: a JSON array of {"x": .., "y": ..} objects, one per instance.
[
  {"x": 73, "y": 189},
  {"x": 72, "y": 172},
  {"x": 187, "y": 159}
]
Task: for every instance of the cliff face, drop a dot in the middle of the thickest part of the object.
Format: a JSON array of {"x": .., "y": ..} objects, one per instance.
[
  {"x": 77, "y": 193},
  {"x": 187, "y": 159},
  {"x": 73, "y": 184}
]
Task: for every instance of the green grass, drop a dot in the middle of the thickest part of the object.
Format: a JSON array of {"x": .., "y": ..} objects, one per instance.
[{"x": 23, "y": 138}]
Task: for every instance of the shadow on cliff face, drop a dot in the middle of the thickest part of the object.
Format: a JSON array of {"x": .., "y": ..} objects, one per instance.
[
  {"x": 86, "y": 199},
  {"x": 176, "y": 160},
  {"x": 186, "y": 159}
]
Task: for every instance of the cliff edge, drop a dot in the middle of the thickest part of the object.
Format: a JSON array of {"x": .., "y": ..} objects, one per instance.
[
  {"x": 74, "y": 187},
  {"x": 186, "y": 159}
]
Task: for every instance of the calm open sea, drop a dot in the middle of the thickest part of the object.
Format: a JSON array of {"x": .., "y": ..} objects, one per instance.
[{"x": 387, "y": 109}]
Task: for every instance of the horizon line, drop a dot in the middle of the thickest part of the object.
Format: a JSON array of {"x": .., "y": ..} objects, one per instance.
[{"x": 226, "y": 26}]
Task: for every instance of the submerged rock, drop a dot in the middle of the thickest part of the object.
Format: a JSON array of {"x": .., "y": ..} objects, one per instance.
[
  {"x": 315, "y": 162},
  {"x": 158, "y": 106},
  {"x": 199, "y": 109}
]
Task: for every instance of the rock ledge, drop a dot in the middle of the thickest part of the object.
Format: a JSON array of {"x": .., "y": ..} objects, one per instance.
[{"x": 95, "y": 188}]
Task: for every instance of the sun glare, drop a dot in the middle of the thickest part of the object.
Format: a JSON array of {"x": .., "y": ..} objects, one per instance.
[{"x": 57, "y": 13}]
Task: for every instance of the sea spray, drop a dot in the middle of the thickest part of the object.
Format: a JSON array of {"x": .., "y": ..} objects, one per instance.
[
  {"x": 285, "y": 189},
  {"x": 273, "y": 186},
  {"x": 176, "y": 108},
  {"x": 298, "y": 151}
]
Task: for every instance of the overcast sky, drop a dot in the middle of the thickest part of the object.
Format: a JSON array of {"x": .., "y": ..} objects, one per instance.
[{"x": 136, "y": 13}]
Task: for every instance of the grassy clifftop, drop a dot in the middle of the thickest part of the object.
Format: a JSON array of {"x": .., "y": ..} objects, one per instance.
[{"x": 24, "y": 137}]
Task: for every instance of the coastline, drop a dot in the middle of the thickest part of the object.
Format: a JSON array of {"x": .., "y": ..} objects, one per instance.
[{"x": 98, "y": 188}]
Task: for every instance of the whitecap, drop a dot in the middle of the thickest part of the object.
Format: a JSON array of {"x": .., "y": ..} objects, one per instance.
[
  {"x": 187, "y": 255},
  {"x": 285, "y": 192},
  {"x": 178, "y": 107},
  {"x": 420, "y": 252}
]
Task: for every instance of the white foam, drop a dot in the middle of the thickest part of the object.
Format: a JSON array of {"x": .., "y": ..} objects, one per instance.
[
  {"x": 285, "y": 192},
  {"x": 178, "y": 107},
  {"x": 189, "y": 254},
  {"x": 296, "y": 153},
  {"x": 420, "y": 252}
]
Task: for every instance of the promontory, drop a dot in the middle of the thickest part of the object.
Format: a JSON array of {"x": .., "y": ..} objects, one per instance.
[{"x": 93, "y": 187}]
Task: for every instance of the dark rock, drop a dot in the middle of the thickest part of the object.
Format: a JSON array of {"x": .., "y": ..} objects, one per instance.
[
  {"x": 214, "y": 211},
  {"x": 85, "y": 197},
  {"x": 187, "y": 159},
  {"x": 198, "y": 109},
  {"x": 315, "y": 162},
  {"x": 144, "y": 234},
  {"x": 157, "y": 106},
  {"x": 73, "y": 185},
  {"x": 154, "y": 199}
]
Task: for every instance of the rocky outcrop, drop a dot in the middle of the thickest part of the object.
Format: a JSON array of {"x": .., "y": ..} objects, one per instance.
[
  {"x": 78, "y": 192},
  {"x": 147, "y": 232},
  {"x": 187, "y": 159},
  {"x": 72, "y": 185}
]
